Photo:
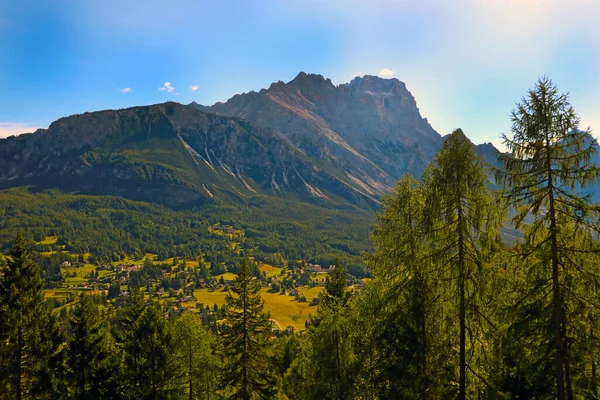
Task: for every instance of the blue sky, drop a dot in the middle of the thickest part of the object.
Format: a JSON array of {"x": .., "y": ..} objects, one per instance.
[{"x": 466, "y": 61}]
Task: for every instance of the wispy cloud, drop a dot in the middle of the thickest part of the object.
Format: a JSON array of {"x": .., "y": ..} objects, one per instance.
[
  {"x": 386, "y": 73},
  {"x": 193, "y": 88},
  {"x": 15, "y": 128},
  {"x": 167, "y": 87},
  {"x": 126, "y": 90}
]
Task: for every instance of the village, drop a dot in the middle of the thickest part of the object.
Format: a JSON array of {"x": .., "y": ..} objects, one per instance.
[{"x": 290, "y": 291}]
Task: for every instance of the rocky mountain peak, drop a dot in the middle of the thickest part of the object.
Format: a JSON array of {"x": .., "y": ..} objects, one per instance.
[
  {"x": 303, "y": 80},
  {"x": 376, "y": 84},
  {"x": 369, "y": 128}
]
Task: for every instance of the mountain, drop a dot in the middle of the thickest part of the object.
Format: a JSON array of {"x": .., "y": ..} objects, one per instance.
[
  {"x": 299, "y": 166},
  {"x": 170, "y": 154},
  {"x": 369, "y": 129},
  {"x": 307, "y": 140}
]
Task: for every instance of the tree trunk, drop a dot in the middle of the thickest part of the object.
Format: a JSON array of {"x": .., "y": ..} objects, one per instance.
[
  {"x": 81, "y": 379},
  {"x": 461, "y": 289},
  {"x": 18, "y": 365},
  {"x": 594, "y": 381},
  {"x": 425, "y": 388},
  {"x": 153, "y": 368},
  {"x": 556, "y": 300},
  {"x": 190, "y": 370},
  {"x": 594, "y": 377},
  {"x": 568, "y": 382}
]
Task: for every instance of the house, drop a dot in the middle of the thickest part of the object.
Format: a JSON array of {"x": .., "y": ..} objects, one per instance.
[{"x": 314, "y": 268}]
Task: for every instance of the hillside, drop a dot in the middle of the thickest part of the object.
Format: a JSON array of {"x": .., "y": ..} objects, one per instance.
[
  {"x": 301, "y": 165},
  {"x": 170, "y": 154}
]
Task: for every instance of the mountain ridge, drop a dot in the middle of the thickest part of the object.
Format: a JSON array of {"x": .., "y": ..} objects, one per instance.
[{"x": 307, "y": 139}]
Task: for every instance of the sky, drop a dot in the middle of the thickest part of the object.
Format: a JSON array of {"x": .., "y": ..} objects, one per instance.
[{"x": 467, "y": 62}]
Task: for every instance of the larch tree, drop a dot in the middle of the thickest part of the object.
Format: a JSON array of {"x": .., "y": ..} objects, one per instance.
[
  {"x": 408, "y": 333},
  {"x": 545, "y": 173},
  {"x": 196, "y": 356},
  {"x": 462, "y": 222}
]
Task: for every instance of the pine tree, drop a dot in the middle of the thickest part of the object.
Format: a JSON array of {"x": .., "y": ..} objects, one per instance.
[
  {"x": 246, "y": 340},
  {"x": 89, "y": 352},
  {"x": 461, "y": 201},
  {"x": 30, "y": 341},
  {"x": 148, "y": 346},
  {"x": 545, "y": 173},
  {"x": 334, "y": 295}
]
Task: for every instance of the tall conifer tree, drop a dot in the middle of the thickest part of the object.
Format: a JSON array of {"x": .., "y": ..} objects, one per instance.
[
  {"x": 461, "y": 201},
  {"x": 546, "y": 170},
  {"x": 246, "y": 339},
  {"x": 30, "y": 341},
  {"x": 89, "y": 351},
  {"x": 410, "y": 347},
  {"x": 195, "y": 352}
]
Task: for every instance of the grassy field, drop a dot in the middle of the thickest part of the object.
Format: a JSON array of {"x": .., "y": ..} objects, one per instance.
[
  {"x": 310, "y": 293},
  {"x": 270, "y": 270},
  {"x": 286, "y": 310},
  {"x": 283, "y": 308},
  {"x": 81, "y": 272},
  {"x": 49, "y": 240}
]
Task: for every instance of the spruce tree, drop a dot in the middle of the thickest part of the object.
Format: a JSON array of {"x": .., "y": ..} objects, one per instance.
[
  {"x": 246, "y": 339},
  {"x": 334, "y": 295},
  {"x": 148, "y": 358},
  {"x": 545, "y": 174},
  {"x": 89, "y": 352},
  {"x": 30, "y": 341}
]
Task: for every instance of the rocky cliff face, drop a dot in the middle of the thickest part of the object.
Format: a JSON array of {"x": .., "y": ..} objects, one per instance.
[
  {"x": 306, "y": 139},
  {"x": 369, "y": 129},
  {"x": 167, "y": 153}
]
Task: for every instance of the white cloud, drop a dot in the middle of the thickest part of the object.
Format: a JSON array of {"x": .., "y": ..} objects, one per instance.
[
  {"x": 167, "y": 87},
  {"x": 193, "y": 88},
  {"x": 14, "y": 128},
  {"x": 386, "y": 73},
  {"x": 126, "y": 90}
]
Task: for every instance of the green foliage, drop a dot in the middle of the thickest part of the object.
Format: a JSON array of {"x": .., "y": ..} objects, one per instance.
[
  {"x": 406, "y": 339},
  {"x": 196, "y": 356},
  {"x": 149, "y": 360},
  {"x": 462, "y": 225},
  {"x": 30, "y": 340},
  {"x": 246, "y": 339},
  {"x": 111, "y": 228},
  {"x": 89, "y": 353},
  {"x": 545, "y": 173}
]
